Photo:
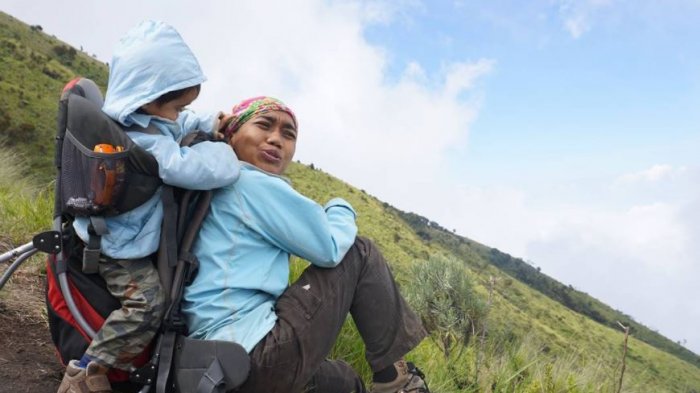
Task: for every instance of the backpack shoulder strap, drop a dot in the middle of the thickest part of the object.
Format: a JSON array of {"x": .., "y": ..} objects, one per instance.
[{"x": 150, "y": 129}]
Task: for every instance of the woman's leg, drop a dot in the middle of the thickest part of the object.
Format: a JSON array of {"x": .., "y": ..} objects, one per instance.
[
  {"x": 335, "y": 376},
  {"x": 311, "y": 313},
  {"x": 388, "y": 326}
]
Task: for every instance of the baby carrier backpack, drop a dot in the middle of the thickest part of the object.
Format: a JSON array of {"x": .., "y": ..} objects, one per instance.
[{"x": 102, "y": 173}]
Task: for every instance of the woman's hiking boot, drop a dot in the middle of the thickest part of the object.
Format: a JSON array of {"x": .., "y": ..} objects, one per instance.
[
  {"x": 84, "y": 380},
  {"x": 409, "y": 380}
]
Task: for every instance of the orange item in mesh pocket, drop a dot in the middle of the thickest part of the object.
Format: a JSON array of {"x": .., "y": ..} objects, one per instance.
[
  {"x": 105, "y": 180},
  {"x": 107, "y": 148}
]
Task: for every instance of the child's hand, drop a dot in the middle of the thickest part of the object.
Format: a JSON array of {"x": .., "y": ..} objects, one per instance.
[{"x": 224, "y": 119}]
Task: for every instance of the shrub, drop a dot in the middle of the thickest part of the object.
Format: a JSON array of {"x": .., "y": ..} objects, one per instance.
[
  {"x": 444, "y": 298},
  {"x": 14, "y": 134},
  {"x": 66, "y": 54},
  {"x": 52, "y": 72}
]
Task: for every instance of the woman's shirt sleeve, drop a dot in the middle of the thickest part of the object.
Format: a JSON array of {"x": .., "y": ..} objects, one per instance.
[{"x": 295, "y": 223}]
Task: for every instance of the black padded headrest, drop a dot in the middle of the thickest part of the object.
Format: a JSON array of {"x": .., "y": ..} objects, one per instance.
[{"x": 86, "y": 88}]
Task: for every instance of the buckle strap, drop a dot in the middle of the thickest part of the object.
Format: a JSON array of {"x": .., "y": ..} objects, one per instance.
[
  {"x": 169, "y": 226},
  {"x": 192, "y": 266},
  {"x": 98, "y": 225},
  {"x": 166, "y": 350},
  {"x": 213, "y": 379},
  {"x": 91, "y": 252}
]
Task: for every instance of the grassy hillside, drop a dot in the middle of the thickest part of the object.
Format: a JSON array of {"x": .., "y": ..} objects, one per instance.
[
  {"x": 520, "y": 316},
  {"x": 35, "y": 66},
  {"x": 535, "y": 338},
  {"x": 565, "y": 294}
]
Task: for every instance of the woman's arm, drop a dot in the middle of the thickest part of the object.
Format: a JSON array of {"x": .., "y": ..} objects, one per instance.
[{"x": 295, "y": 223}]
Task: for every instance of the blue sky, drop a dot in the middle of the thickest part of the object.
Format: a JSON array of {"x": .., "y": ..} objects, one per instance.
[{"x": 563, "y": 132}]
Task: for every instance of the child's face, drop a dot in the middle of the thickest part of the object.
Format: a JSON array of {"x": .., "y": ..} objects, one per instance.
[
  {"x": 171, "y": 110},
  {"x": 267, "y": 141}
]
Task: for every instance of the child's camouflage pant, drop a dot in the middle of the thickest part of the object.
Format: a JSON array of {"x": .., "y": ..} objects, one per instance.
[{"x": 128, "y": 330}]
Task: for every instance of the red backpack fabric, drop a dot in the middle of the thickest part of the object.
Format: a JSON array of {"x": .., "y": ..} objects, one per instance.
[{"x": 91, "y": 298}]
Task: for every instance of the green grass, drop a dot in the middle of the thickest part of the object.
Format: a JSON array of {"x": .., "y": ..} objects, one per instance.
[
  {"x": 35, "y": 67},
  {"x": 26, "y": 207},
  {"x": 25, "y": 210}
]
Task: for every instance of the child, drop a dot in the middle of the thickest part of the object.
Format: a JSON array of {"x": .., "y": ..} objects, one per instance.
[
  {"x": 241, "y": 290},
  {"x": 153, "y": 77}
]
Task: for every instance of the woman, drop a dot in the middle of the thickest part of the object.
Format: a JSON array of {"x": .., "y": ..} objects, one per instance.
[{"x": 241, "y": 294}]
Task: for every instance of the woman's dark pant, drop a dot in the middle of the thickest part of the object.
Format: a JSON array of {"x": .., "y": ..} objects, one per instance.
[{"x": 311, "y": 312}]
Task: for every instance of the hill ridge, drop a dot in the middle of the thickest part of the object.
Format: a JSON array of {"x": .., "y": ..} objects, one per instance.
[{"x": 566, "y": 295}]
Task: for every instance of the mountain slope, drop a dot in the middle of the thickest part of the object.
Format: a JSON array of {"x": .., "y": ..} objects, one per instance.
[
  {"x": 35, "y": 67},
  {"x": 573, "y": 299},
  {"x": 517, "y": 308}
]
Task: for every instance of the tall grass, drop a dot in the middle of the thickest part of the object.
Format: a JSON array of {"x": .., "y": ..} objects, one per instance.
[
  {"x": 25, "y": 210},
  {"x": 505, "y": 363},
  {"x": 25, "y": 205}
]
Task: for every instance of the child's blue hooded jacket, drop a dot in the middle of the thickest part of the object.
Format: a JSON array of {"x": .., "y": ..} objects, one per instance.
[{"x": 151, "y": 60}]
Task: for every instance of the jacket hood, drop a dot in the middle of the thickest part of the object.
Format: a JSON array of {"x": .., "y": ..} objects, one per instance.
[{"x": 149, "y": 61}]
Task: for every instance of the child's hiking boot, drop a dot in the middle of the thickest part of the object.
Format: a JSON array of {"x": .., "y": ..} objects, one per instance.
[
  {"x": 84, "y": 380},
  {"x": 409, "y": 380}
]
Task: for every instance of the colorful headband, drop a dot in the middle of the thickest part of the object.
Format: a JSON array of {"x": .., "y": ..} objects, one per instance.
[{"x": 247, "y": 109}]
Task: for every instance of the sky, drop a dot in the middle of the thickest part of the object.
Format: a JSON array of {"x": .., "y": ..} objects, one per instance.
[{"x": 562, "y": 132}]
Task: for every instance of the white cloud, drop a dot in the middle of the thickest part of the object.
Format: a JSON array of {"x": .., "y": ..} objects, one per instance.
[
  {"x": 647, "y": 234},
  {"x": 653, "y": 174},
  {"x": 462, "y": 76},
  {"x": 377, "y": 12},
  {"x": 639, "y": 256},
  {"x": 386, "y": 11},
  {"x": 389, "y": 138},
  {"x": 415, "y": 73},
  {"x": 499, "y": 217},
  {"x": 578, "y": 15},
  {"x": 576, "y": 25},
  {"x": 641, "y": 260}
]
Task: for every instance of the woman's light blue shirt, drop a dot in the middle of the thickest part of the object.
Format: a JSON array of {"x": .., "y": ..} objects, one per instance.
[{"x": 244, "y": 247}]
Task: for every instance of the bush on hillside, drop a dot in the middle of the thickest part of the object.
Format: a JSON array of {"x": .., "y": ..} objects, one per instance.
[
  {"x": 443, "y": 296},
  {"x": 66, "y": 54}
]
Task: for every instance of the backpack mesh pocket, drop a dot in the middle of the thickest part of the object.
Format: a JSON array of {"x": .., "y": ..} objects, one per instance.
[{"x": 92, "y": 182}]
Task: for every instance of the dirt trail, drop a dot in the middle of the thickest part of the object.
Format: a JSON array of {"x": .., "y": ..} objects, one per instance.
[{"x": 27, "y": 359}]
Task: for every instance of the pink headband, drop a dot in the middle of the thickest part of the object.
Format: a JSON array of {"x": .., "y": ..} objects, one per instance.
[{"x": 247, "y": 109}]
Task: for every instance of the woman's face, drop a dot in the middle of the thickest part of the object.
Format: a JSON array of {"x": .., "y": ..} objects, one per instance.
[{"x": 267, "y": 141}]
